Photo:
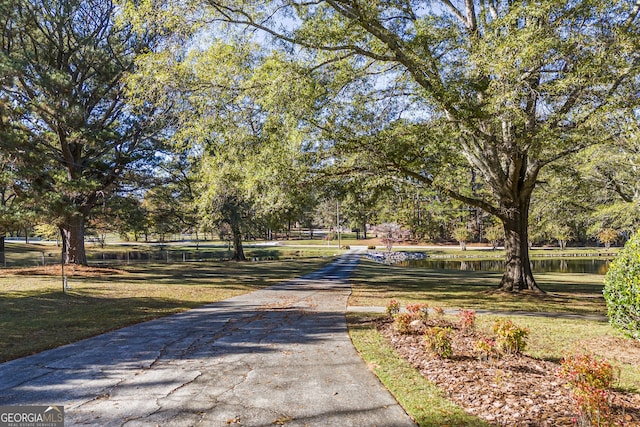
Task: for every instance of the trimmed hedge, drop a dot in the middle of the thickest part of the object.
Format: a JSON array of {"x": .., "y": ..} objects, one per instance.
[{"x": 622, "y": 289}]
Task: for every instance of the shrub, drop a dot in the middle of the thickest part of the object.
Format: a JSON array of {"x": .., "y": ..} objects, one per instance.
[
  {"x": 438, "y": 311},
  {"x": 589, "y": 378},
  {"x": 402, "y": 322},
  {"x": 467, "y": 320},
  {"x": 438, "y": 340},
  {"x": 486, "y": 349},
  {"x": 393, "y": 307},
  {"x": 588, "y": 370},
  {"x": 418, "y": 310},
  {"x": 622, "y": 289},
  {"x": 510, "y": 339}
]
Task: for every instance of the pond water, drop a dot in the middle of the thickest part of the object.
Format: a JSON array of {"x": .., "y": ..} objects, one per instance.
[
  {"x": 154, "y": 256},
  {"x": 221, "y": 254},
  {"x": 555, "y": 265}
]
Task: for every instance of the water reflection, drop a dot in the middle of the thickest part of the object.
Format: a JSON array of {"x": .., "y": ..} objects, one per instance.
[
  {"x": 155, "y": 256},
  {"x": 556, "y": 265}
]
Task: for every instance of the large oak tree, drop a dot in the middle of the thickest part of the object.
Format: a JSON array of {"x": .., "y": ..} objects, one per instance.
[{"x": 508, "y": 86}]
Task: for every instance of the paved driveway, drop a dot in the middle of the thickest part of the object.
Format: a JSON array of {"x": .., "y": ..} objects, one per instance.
[{"x": 278, "y": 356}]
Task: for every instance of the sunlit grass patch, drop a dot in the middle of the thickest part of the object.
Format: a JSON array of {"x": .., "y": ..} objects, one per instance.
[{"x": 374, "y": 284}]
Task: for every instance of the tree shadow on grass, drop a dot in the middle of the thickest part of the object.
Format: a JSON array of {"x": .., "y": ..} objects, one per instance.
[
  {"x": 578, "y": 293},
  {"x": 37, "y": 321},
  {"x": 201, "y": 350},
  {"x": 250, "y": 273}
]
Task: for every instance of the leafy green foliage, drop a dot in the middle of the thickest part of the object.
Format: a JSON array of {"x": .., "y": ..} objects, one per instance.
[
  {"x": 236, "y": 117},
  {"x": 69, "y": 61},
  {"x": 462, "y": 235},
  {"x": 622, "y": 289},
  {"x": 610, "y": 173},
  {"x": 510, "y": 338},
  {"x": 461, "y": 91},
  {"x": 494, "y": 233},
  {"x": 438, "y": 340}
]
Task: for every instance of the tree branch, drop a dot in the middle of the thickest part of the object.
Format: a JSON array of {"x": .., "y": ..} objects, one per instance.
[{"x": 455, "y": 11}]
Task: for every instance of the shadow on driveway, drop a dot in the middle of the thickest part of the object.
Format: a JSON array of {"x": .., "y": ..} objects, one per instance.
[{"x": 280, "y": 355}]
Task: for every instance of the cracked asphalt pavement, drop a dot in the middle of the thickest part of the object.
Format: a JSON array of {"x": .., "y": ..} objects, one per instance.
[{"x": 278, "y": 356}]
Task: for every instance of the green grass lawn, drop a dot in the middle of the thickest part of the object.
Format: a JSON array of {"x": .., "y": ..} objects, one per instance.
[
  {"x": 375, "y": 284},
  {"x": 36, "y": 315},
  {"x": 550, "y": 338}
]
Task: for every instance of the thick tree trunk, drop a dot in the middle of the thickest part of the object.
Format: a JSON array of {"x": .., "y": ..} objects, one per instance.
[
  {"x": 238, "y": 251},
  {"x": 72, "y": 231},
  {"x": 517, "y": 275}
]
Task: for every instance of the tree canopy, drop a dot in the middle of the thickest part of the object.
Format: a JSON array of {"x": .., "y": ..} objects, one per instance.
[
  {"x": 395, "y": 107},
  {"x": 232, "y": 118},
  {"x": 508, "y": 87},
  {"x": 66, "y": 63}
]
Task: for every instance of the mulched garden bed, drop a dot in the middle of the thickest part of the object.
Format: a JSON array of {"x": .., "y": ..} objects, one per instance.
[
  {"x": 69, "y": 270},
  {"x": 514, "y": 390}
]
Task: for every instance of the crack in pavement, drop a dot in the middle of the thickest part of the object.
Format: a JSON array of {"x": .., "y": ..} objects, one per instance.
[
  {"x": 158, "y": 401},
  {"x": 278, "y": 353}
]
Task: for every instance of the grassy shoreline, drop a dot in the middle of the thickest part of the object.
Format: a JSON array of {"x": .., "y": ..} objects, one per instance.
[{"x": 375, "y": 284}]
